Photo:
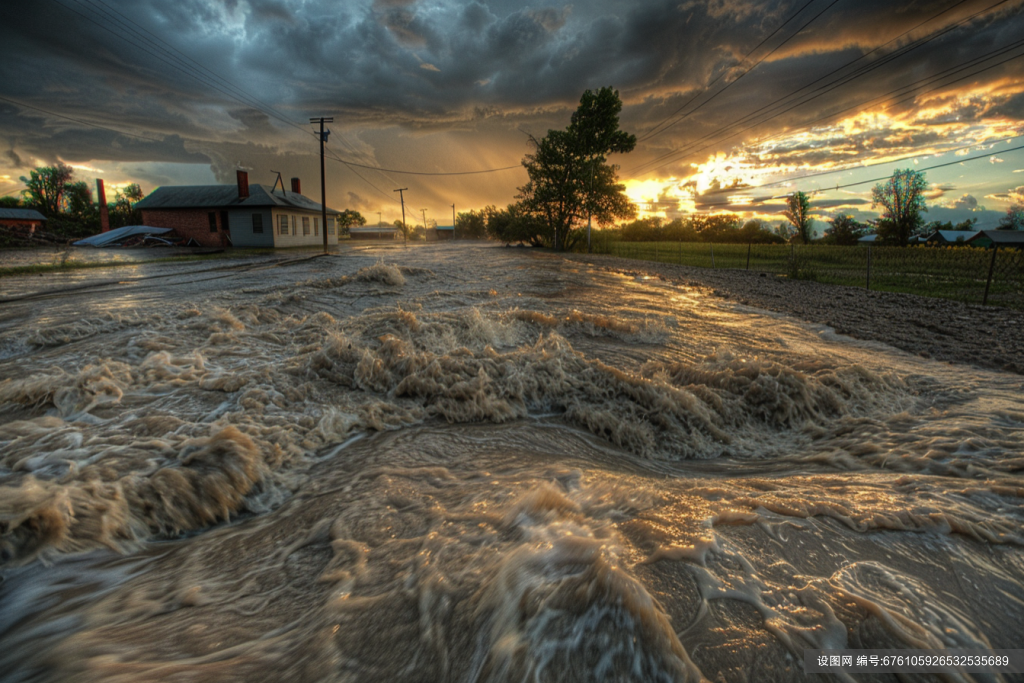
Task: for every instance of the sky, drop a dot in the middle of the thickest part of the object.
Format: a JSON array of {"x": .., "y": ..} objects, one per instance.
[{"x": 734, "y": 104}]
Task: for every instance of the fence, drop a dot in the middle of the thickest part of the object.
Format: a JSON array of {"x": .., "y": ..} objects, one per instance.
[{"x": 973, "y": 275}]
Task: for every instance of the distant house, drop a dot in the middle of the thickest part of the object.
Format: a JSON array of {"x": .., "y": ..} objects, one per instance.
[
  {"x": 374, "y": 232},
  {"x": 445, "y": 233},
  {"x": 1003, "y": 238},
  {"x": 22, "y": 220},
  {"x": 949, "y": 237},
  {"x": 241, "y": 215}
]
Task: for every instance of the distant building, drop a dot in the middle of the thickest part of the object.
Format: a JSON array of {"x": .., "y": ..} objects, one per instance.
[
  {"x": 950, "y": 237},
  {"x": 872, "y": 238},
  {"x": 374, "y": 232},
  {"x": 445, "y": 233},
  {"x": 240, "y": 215},
  {"x": 1002, "y": 238},
  {"x": 22, "y": 220}
]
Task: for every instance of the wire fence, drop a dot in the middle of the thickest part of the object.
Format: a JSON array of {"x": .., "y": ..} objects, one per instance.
[{"x": 993, "y": 276}]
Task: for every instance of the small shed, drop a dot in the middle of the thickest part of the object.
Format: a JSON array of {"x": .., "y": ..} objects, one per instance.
[
  {"x": 22, "y": 220},
  {"x": 445, "y": 233}
]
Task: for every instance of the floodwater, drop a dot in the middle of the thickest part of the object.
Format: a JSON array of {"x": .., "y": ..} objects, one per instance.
[{"x": 470, "y": 463}]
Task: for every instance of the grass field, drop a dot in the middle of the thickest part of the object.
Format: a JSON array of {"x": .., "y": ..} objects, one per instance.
[{"x": 959, "y": 273}]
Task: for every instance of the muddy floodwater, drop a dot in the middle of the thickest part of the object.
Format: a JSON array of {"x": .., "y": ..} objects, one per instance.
[{"x": 469, "y": 463}]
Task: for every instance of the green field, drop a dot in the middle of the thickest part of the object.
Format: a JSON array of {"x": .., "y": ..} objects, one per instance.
[{"x": 957, "y": 273}]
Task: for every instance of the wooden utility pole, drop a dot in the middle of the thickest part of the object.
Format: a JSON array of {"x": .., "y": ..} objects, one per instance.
[
  {"x": 424, "y": 224},
  {"x": 405, "y": 228},
  {"x": 453, "y": 221},
  {"x": 323, "y": 182}
]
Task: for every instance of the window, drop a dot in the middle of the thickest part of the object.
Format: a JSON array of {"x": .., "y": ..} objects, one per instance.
[
  {"x": 282, "y": 222},
  {"x": 295, "y": 231},
  {"x": 212, "y": 216},
  {"x": 316, "y": 226},
  {"x": 330, "y": 226},
  {"x": 305, "y": 225},
  {"x": 257, "y": 223}
]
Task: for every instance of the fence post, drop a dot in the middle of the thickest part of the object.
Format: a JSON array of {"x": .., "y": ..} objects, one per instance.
[
  {"x": 712, "y": 257},
  {"x": 868, "y": 285},
  {"x": 988, "y": 282},
  {"x": 749, "y": 244}
]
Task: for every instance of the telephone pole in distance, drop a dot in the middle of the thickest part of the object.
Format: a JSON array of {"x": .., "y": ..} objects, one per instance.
[{"x": 405, "y": 228}]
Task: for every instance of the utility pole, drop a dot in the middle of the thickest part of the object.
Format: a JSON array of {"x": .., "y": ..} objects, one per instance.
[
  {"x": 405, "y": 228},
  {"x": 424, "y": 224},
  {"x": 323, "y": 183},
  {"x": 453, "y": 221},
  {"x": 590, "y": 209},
  {"x": 379, "y": 219}
]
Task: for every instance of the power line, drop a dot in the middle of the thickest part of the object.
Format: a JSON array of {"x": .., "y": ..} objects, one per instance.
[
  {"x": 840, "y": 81},
  {"x": 211, "y": 79},
  {"x": 861, "y": 105},
  {"x": 761, "y": 200},
  {"x": 740, "y": 77},
  {"x": 80, "y": 121},
  {"x": 654, "y": 131},
  {"x": 857, "y": 168}
]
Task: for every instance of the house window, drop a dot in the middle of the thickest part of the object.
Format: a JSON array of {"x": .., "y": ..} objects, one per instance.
[
  {"x": 212, "y": 216},
  {"x": 257, "y": 223},
  {"x": 282, "y": 225},
  {"x": 316, "y": 226},
  {"x": 330, "y": 226},
  {"x": 295, "y": 231},
  {"x": 305, "y": 225}
]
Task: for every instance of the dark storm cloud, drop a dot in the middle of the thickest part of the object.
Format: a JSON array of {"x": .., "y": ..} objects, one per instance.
[{"x": 438, "y": 66}]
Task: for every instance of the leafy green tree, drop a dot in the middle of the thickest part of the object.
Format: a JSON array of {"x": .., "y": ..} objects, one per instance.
[
  {"x": 45, "y": 188},
  {"x": 513, "y": 224},
  {"x": 902, "y": 200},
  {"x": 471, "y": 225},
  {"x": 9, "y": 202},
  {"x": 757, "y": 231},
  {"x": 798, "y": 212},
  {"x": 569, "y": 177},
  {"x": 350, "y": 218},
  {"x": 845, "y": 231},
  {"x": 1014, "y": 218}
]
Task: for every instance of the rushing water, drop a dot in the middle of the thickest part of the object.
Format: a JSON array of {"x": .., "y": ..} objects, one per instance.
[{"x": 480, "y": 464}]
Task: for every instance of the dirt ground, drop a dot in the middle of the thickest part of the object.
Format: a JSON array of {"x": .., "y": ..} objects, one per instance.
[{"x": 984, "y": 336}]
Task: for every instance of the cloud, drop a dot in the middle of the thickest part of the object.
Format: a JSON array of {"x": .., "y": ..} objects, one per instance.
[
  {"x": 965, "y": 202},
  {"x": 428, "y": 67}
]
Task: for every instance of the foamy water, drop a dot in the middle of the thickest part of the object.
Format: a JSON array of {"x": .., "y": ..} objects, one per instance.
[{"x": 463, "y": 463}]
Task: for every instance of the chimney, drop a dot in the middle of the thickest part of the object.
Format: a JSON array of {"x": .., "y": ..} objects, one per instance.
[
  {"x": 101, "y": 197},
  {"x": 243, "y": 184},
  {"x": 296, "y": 186}
]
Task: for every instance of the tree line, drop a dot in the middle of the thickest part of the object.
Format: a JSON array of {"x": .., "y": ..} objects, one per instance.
[{"x": 68, "y": 204}]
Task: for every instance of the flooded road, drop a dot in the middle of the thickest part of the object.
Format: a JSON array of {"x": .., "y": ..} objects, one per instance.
[{"x": 469, "y": 463}]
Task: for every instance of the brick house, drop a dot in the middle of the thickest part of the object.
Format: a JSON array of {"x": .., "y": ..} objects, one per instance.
[
  {"x": 240, "y": 215},
  {"x": 22, "y": 220}
]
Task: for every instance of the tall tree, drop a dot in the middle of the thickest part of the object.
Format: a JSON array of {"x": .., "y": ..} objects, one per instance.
[
  {"x": 46, "y": 188},
  {"x": 471, "y": 225},
  {"x": 122, "y": 209},
  {"x": 569, "y": 174},
  {"x": 902, "y": 198},
  {"x": 798, "y": 212}
]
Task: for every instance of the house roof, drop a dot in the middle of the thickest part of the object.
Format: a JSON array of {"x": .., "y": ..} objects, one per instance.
[
  {"x": 21, "y": 215},
  {"x": 445, "y": 227},
  {"x": 225, "y": 197},
  {"x": 953, "y": 235},
  {"x": 1009, "y": 238}
]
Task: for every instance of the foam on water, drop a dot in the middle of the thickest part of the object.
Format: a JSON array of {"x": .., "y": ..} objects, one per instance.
[{"x": 505, "y": 470}]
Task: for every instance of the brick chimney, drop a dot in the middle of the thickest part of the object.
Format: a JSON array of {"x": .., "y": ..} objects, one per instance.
[
  {"x": 243, "y": 184},
  {"x": 296, "y": 186},
  {"x": 101, "y": 197}
]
